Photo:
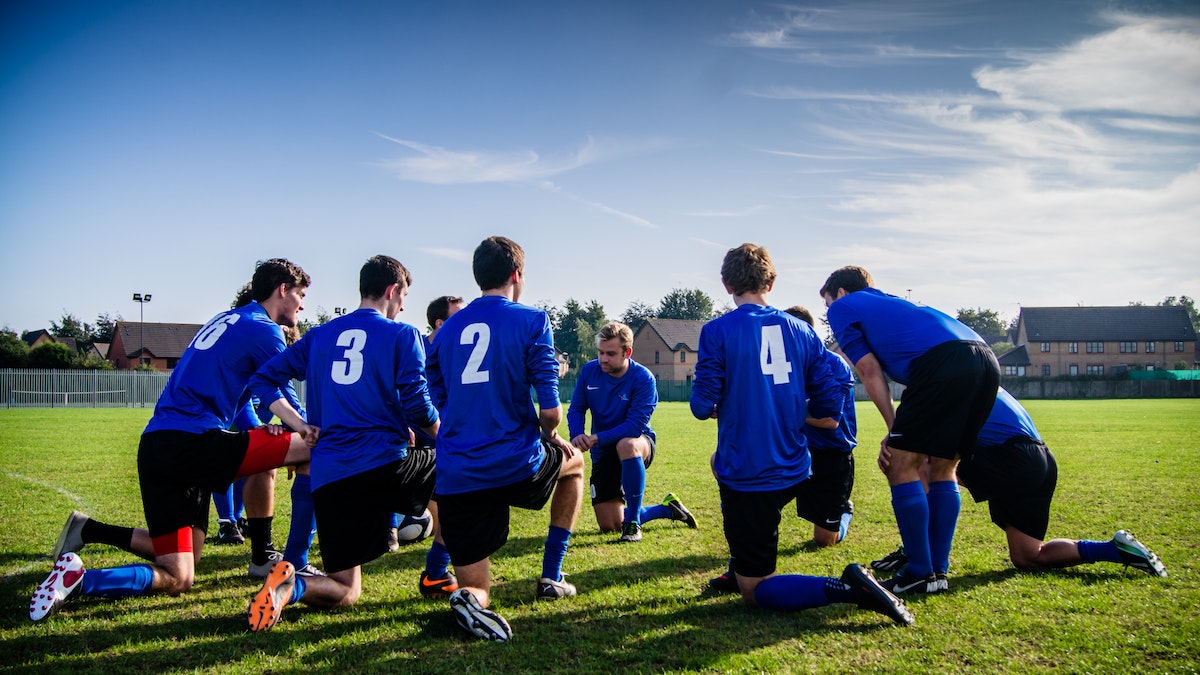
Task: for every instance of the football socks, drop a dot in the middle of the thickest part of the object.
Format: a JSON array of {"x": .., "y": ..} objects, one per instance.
[
  {"x": 557, "y": 540},
  {"x": 633, "y": 482},
  {"x": 912, "y": 518},
  {"x": 945, "y": 502}
]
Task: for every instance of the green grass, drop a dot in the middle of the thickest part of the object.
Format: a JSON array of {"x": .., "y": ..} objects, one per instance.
[{"x": 1123, "y": 464}]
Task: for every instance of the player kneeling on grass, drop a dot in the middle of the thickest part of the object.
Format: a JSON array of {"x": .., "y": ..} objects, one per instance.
[
  {"x": 759, "y": 371},
  {"x": 186, "y": 452},
  {"x": 366, "y": 385},
  {"x": 622, "y": 395},
  {"x": 1013, "y": 470}
]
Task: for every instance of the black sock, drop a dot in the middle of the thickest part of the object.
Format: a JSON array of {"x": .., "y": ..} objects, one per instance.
[
  {"x": 258, "y": 531},
  {"x": 96, "y": 532}
]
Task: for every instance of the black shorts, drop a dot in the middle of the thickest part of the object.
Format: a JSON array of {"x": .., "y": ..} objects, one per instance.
[
  {"x": 354, "y": 513},
  {"x": 475, "y": 524},
  {"x": 951, "y": 390},
  {"x": 605, "y": 480},
  {"x": 825, "y": 496},
  {"x": 751, "y": 521},
  {"x": 1017, "y": 479},
  {"x": 177, "y": 471}
]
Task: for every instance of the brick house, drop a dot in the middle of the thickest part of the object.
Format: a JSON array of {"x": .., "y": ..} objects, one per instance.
[
  {"x": 1102, "y": 340},
  {"x": 668, "y": 347},
  {"x": 156, "y": 344}
]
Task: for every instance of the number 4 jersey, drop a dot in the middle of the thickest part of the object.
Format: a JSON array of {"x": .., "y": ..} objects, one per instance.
[
  {"x": 486, "y": 361},
  {"x": 757, "y": 366},
  {"x": 365, "y": 381},
  {"x": 206, "y": 387}
]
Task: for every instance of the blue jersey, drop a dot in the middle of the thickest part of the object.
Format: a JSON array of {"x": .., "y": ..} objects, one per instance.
[
  {"x": 486, "y": 361},
  {"x": 893, "y": 329},
  {"x": 621, "y": 406},
  {"x": 366, "y": 386},
  {"x": 256, "y": 413},
  {"x": 763, "y": 371},
  {"x": 1007, "y": 420},
  {"x": 844, "y": 437},
  {"x": 205, "y": 390},
  {"x": 423, "y": 439}
]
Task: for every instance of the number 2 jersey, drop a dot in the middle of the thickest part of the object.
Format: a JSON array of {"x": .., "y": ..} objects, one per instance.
[
  {"x": 365, "y": 386},
  {"x": 205, "y": 390},
  {"x": 757, "y": 366},
  {"x": 486, "y": 361}
]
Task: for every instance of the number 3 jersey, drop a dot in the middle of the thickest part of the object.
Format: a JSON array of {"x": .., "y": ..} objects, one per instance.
[
  {"x": 205, "y": 389},
  {"x": 365, "y": 381},
  {"x": 757, "y": 366},
  {"x": 486, "y": 361}
]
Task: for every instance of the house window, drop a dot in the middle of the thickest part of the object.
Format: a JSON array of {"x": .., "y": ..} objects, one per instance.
[
  {"x": 682, "y": 356},
  {"x": 656, "y": 357},
  {"x": 1094, "y": 369},
  {"x": 145, "y": 360},
  {"x": 1179, "y": 345},
  {"x": 171, "y": 363},
  {"x": 1045, "y": 371},
  {"x": 1074, "y": 369},
  {"x": 1073, "y": 347},
  {"x": 1014, "y": 370},
  {"x": 1128, "y": 347},
  {"x": 1045, "y": 346},
  {"x": 1149, "y": 347},
  {"x": 1149, "y": 366},
  {"x": 1095, "y": 348}
]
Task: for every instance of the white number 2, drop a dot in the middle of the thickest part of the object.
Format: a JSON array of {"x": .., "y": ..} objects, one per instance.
[
  {"x": 349, "y": 368},
  {"x": 772, "y": 356},
  {"x": 480, "y": 335}
]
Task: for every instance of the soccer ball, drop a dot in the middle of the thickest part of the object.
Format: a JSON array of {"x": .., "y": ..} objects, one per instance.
[{"x": 414, "y": 528}]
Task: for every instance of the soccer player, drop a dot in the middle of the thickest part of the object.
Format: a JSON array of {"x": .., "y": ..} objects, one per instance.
[
  {"x": 759, "y": 371},
  {"x": 621, "y": 394},
  {"x": 366, "y": 383},
  {"x": 436, "y": 313},
  {"x": 1012, "y": 469},
  {"x": 186, "y": 451},
  {"x": 951, "y": 376},
  {"x": 494, "y": 450}
]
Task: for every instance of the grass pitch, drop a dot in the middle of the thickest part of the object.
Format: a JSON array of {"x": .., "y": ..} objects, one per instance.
[{"x": 642, "y": 607}]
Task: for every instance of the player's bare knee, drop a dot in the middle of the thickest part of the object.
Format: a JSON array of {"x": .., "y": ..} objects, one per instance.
[{"x": 825, "y": 538}]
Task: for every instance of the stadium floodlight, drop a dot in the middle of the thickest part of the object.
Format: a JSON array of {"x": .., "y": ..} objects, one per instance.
[{"x": 141, "y": 299}]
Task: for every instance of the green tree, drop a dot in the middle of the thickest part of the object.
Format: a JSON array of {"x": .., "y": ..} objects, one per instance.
[
  {"x": 54, "y": 355},
  {"x": 14, "y": 353},
  {"x": 577, "y": 320},
  {"x": 986, "y": 322},
  {"x": 1187, "y": 303},
  {"x": 692, "y": 304},
  {"x": 636, "y": 314},
  {"x": 72, "y": 327},
  {"x": 105, "y": 328}
]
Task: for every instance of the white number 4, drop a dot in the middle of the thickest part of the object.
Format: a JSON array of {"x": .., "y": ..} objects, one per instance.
[{"x": 772, "y": 356}]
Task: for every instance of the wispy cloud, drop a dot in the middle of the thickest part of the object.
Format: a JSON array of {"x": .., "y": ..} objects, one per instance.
[
  {"x": 441, "y": 166},
  {"x": 739, "y": 213},
  {"x": 457, "y": 255}
]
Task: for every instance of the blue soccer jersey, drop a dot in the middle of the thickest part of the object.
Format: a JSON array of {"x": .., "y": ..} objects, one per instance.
[
  {"x": 844, "y": 437},
  {"x": 621, "y": 406},
  {"x": 205, "y": 390},
  {"x": 763, "y": 371},
  {"x": 366, "y": 386},
  {"x": 423, "y": 439},
  {"x": 1008, "y": 419},
  {"x": 486, "y": 361},
  {"x": 895, "y": 330}
]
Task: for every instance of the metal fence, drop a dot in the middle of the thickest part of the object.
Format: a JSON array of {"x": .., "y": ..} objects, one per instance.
[{"x": 38, "y": 388}]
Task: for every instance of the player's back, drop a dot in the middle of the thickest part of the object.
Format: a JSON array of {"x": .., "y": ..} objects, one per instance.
[
  {"x": 486, "y": 360},
  {"x": 844, "y": 437},
  {"x": 206, "y": 385},
  {"x": 1007, "y": 420}
]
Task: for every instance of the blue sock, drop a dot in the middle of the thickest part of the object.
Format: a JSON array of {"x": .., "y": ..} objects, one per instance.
[
  {"x": 945, "y": 502},
  {"x": 298, "y": 589},
  {"x": 303, "y": 524},
  {"x": 223, "y": 501},
  {"x": 838, "y": 592},
  {"x": 395, "y": 522},
  {"x": 649, "y": 513},
  {"x": 239, "y": 504},
  {"x": 790, "y": 592},
  {"x": 1098, "y": 551},
  {"x": 633, "y": 481},
  {"x": 437, "y": 561},
  {"x": 118, "y": 582},
  {"x": 844, "y": 527},
  {"x": 912, "y": 518},
  {"x": 557, "y": 540}
]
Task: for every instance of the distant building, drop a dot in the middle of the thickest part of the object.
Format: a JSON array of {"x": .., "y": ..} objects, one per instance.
[
  {"x": 668, "y": 347},
  {"x": 37, "y": 338},
  {"x": 155, "y": 344},
  {"x": 1102, "y": 340}
]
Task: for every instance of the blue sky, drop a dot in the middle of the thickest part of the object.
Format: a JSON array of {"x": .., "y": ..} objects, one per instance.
[{"x": 969, "y": 154}]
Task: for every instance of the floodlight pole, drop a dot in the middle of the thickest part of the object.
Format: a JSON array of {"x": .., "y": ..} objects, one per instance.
[{"x": 141, "y": 300}]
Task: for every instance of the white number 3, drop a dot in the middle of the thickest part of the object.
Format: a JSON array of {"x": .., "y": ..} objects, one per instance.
[
  {"x": 773, "y": 357},
  {"x": 349, "y": 368}
]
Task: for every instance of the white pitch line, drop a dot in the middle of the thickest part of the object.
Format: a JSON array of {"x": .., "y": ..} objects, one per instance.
[{"x": 29, "y": 567}]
